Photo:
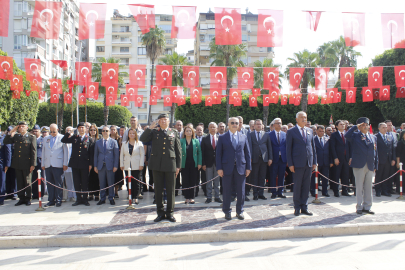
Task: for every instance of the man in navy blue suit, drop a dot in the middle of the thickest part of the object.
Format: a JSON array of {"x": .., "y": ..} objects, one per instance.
[
  {"x": 364, "y": 162},
  {"x": 386, "y": 160},
  {"x": 341, "y": 153},
  {"x": 301, "y": 159},
  {"x": 324, "y": 161},
  {"x": 234, "y": 165},
  {"x": 278, "y": 144}
]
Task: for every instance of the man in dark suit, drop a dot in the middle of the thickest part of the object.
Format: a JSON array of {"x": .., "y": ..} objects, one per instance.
[
  {"x": 324, "y": 161},
  {"x": 80, "y": 161},
  {"x": 394, "y": 180},
  {"x": 364, "y": 162},
  {"x": 341, "y": 153},
  {"x": 165, "y": 163},
  {"x": 386, "y": 160},
  {"x": 277, "y": 169},
  {"x": 262, "y": 156},
  {"x": 199, "y": 135},
  {"x": 233, "y": 165},
  {"x": 301, "y": 158}
]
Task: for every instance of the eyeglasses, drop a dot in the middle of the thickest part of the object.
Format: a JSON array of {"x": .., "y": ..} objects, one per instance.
[
  {"x": 234, "y": 123},
  {"x": 53, "y": 132},
  {"x": 92, "y": 130},
  {"x": 277, "y": 123},
  {"x": 105, "y": 130}
]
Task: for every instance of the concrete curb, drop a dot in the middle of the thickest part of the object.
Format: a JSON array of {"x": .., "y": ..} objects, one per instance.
[{"x": 198, "y": 236}]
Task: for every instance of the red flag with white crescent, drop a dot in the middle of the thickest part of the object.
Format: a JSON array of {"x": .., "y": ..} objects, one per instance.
[
  {"x": 191, "y": 76},
  {"x": 324, "y": 99},
  {"x": 346, "y": 77},
  {"x": 92, "y": 20},
  {"x": 367, "y": 94},
  {"x": 274, "y": 95},
  {"x": 228, "y": 29},
  {"x": 385, "y": 93},
  {"x": 400, "y": 92},
  {"x": 41, "y": 95},
  {"x": 208, "y": 101},
  {"x": 321, "y": 78},
  {"x": 156, "y": 91},
  {"x": 54, "y": 98},
  {"x": 167, "y": 100},
  {"x": 313, "y": 18},
  {"x": 284, "y": 99},
  {"x": 331, "y": 92},
  {"x": 338, "y": 97},
  {"x": 312, "y": 98},
  {"x": 184, "y": 22},
  {"x": 252, "y": 101},
  {"x": 110, "y": 100},
  {"x": 111, "y": 89},
  {"x": 392, "y": 25},
  {"x": 218, "y": 78},
  {"x": 354, "y": 25},
  {"x": 233, "y": 98},
  {"x": 61, "y": 63},
  {"x": 46, "y": 19},
  {"x": 399, "y": 76},
  {"x": 82, "y": 99},
  {"x": 16, "y": 83},
  {"x": 152, "y": 100},
  {"x": 195, "y": 99},
  {"x": 266, "y": 100},
  {"x": 297, "y": 100},
  {"x": 32, "y": 68},
  {"x": 270, "y": 28},
  {"x": 217, "y": 99},
  {"x": 124, "y": 101},
  {"x": 67, "y": 98},
  {"x": 291, "y": 99},
  {"x": 138, "y": 101},
  {"x": 351, "y": 95},
  {"x": 137, "y": 75},
  {"x": 16, "y": 94},
  {"x": 36, "y": 84},
  {"x": 196, "y": 91},
  {"x": 270, "y": 77},
  {"x": 181, "y": 100},
  {"x": 6, "y": 67},
  {"x": 375, "y": 75},
  {"x": 27, "y": 93},
  {"x": 235, "y": 92},
  {"x": 83, "y": 72},
  {"x": 131, "y": 89},
  {"x": 237, "y": 101},
  {"x": 176, "y": 91},
  {"x": 55, "y": 86},
  {"x": 296, "y": 77},
  {"x": 109, "y": 74},
  {"x": 4, "y": 18},
  {"x": 245, "y": 78},
  {"x": 92, "y": 90},
  {"x": 256, "y": 91},
  {"x": 144, "y": 16},
  {"x": 164, "y": 76},
  {"x": 376, "y": 93}
]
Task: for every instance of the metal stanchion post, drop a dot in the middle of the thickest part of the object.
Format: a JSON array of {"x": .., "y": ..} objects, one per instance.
[
  {"x": 316, "y": 186},
  {"x": 40, "y": 208},
  {"x": 400, "y": 183},
  {"x": 130, "y": 206}
]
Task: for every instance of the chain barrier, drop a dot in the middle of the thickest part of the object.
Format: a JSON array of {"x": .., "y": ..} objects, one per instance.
[
  {"x": 8, "y": 194},
  {"x": 355, "y": 186}
]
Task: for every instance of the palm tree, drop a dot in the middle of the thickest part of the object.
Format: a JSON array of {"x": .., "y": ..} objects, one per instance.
[
  {"x": 96, "y": 75},
  {"x": 258, "y": 75},
  {"x": 177, "y": 61},
  {"x": 228, "y": 56},
  {"x": 155, "y": 43},
  {"x": 304, "y": 59}
]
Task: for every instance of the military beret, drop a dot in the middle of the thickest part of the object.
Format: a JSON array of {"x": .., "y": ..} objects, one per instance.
[
  {"x": 22, "y": 123},
  {"x": 163, "y": 115},
  {"x": 81, "y": 124},
  {"x": 36, "y": 127},
  {"x": 363, "y": 120},
  {"x": 45, "y": 129}
]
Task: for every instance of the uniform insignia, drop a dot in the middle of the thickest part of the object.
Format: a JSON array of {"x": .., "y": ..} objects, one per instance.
[
  {"x": 158, "y": 128},
  {"x": 48, "y": 140},
  {"x": 26, "y": 144},
  {"x": 171, "y": 135}
]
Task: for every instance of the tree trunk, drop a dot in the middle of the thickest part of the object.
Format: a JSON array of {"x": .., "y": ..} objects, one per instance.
[
  {"x": 265, "y": 116},
  {"x": 304, "y": 91},
  {"x": 228, "y": 106},
  {"x": 172, "y": 110},
  {"x": 60, "y": 112},
  {"x": 106, "y": 110},
  {"x": 150, "y": 92}
]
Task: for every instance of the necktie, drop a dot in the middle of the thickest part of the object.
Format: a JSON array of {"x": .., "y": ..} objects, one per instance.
[
  {"x": 234, "y": 141},
  {"x": 303, "y": 135},
  {"x": 52, "y": 141},
  {"x": 385, "y": 138},
  {"x": 343, "y": 138},
  {"x": 278, "y": 137},
  {"x": 104, "y": 146},
  {"x": 213, "y": 142},
  {"x": 321, "y": 139}
]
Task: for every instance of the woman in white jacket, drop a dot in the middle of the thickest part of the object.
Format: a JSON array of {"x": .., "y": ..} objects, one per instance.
[{"x": 132, "y": 156}]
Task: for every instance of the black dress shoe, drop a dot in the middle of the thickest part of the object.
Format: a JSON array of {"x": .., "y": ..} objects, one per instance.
[
  {"x": 101, "y": 202},
  {"x": 393, "y": 191},
  {"x": 296, "y": 212},
  {"x": 86, "y": 204},
  {"x": 384, "y": 193},
  {"x": 368, "y": 212},
  {"x": 112, "y": 202},
  {"x": 345, "y": 193},
  {"x": 49, "y": 204},
  {"x": 307, "y": 212},
  {"x": 1, "y": 203},
  {"x": 280, "y": 196},
  {"x": 378, "y": 194},
  {"x": 193, "y": 202},
  {"x": 247, "y": 199},
  {"x": 171, "y": 218},
  {"x": 228, "y": 216},
  {"x": 336, "y": 194},
  {"x": 76, "y": 203},
  {"x": 240, "y": 216},
  {"x": 359, "y": 212},
  {"x": 218, "y": 200},
  {"x": 262, "y": 198},
  {"x": 154, "y": 202},
  {"x": 255, "y": 198},
  {"x": 58, "y": 204},
  {"x": 159, "y": 218},
  {"x": 273, "y": 196},
  {"x": 28, "y": 203},
  {"x": 96, "y": 199},
  {"x": 208, "y": 200},
  {"x": 19, "y": 203},
  {"x": 326, "y": 195}
]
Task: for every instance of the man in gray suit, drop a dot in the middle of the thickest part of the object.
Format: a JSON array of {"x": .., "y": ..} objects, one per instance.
[
  {"x": 106, "y": 155},
  {"x": 55, "y": 159},
  {"x": 262, "y": 156}
]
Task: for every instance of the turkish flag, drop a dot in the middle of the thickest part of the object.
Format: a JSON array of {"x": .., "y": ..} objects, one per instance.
[
  {"x": 252, "y": 101},
  {"x": 92, "y": 90},
  {"x": 256, "y": 91},
  {"x": 400, "y": 92},
  {"x": 237, "y": 101},
  {"x": 36, "y": 84},
  {"x": 233, "y": 98},
  {"x": 376, "y": 94},
  {"x": 321, "y": 78},
  {"x": 313, "y": 18},
  {"x": 137, "y": 75},
  {"x": 67, "y": 98},
  {"x": 196, "y": 91},
  {"x": 156, "y": 91},
  {"x": 367, "y": 94},
  {"x": 195, "y": 99},
  {"x": 109, "y": 74},
  {"x": 164, "y": 76},
  {"x": 375, "y": 77},
  {"x": 83, "y": 72},
  {"x": 110, "y": 100},
  {"x": 399, "y": 76},
  {"x": 384, "y": 93},
  {"x": 144, "y": 16},
  {"x": 16, "y": 94},
  {"x": 270, "y": 77},
  {"x": 82, "y": 99},
  {"x": 111, "y": 89},
  {"x": 56, "y": 86},
  {"x": 183, "y": 22},
  {"x": 218, "y": 78},
  {"x": 351, "y": 95},
  {"x": 138, "y": 101},
  {"x": 324, "y": 99},
  {"x": 392, "y": 25},
  {"x": 284, "y": 98},
  {"x": 191, "y": 76},
  {"x": 167, "y": 100},
  {"x": 124, "y": 101},
  {"x": 153, "y": 100},
  {"x": 32, "y": 68},
  {"x": 228, "y": 29},
  {"x": 296, "y": 77},
  {"x": 292, "y": 97},
  {"x": 181, "y": 100},
  {"x": 235, "y": 91},
  {"x": 331, "y": 92},
  {"x": 4, "y": 18},
  {"x": 208, "y": 101},
  {"x": 46, "y": 20},
  {"x": 297, "y": 100},
  {"x": 274, "y": 94},
  {"x": 16, "y": 84},
  {"x": 312, "y": 98},
  {"x": 338, "y": 97},
  {"x": 176, "y": 91},
  {"x": 41, "y": 95},
  {"x": 27, "y": 93},
  {"x": 92, "y": 20},
  {"x": 245, "y": 78},
  {"x": 266, "y": 100},
  {"x": 131, "y": 89},
  {"x": 6, "y": 67},
  {"x": 346, "y": 77},
  {"x": 270, "y": 28},
  {"x": 217, "y": 99},
  {"x": 354, "y": 26},
  {"x": 54, "y": 98},
  {"x": 60, "y": 63}
]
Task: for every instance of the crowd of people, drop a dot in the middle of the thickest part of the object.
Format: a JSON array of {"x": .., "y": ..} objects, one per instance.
[{"x": 239, "y": 166}]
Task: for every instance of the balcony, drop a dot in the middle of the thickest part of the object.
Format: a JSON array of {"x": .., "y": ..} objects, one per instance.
[{"x": 122, "y": 54}]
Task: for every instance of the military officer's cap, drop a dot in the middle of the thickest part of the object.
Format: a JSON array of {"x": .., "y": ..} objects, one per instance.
[
  {"x": 36, "y": 127},
  {"x": 81, "y": 124},
  {"x": 363, "y": 120},
  {"x": 163, "y": 115},
  {"x": 10, "y": 128},
  {"x": 22, "y": 123},
  {"x": 45, "y": 129}
]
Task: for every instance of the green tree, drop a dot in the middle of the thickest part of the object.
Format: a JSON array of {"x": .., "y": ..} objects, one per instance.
[
  {"x": 97, "y": 74},
  {"x": 230, "y": 57},
  {"x": 155, "y": 43},
  {"x": 177, "y": 61}
]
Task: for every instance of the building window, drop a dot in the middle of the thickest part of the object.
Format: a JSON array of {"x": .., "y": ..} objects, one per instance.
[
  {"x": 67, "y": 47},
  {"x": 261, "y": 58},
  {"x": 143, "y": 116},
  {"x": 60, "y": 55},
  {"x": 17, "y": 8},
  {"x": 243, "y": 27},
  {"x": 252, "y": 18},
  {"x": 20, "y": 40},
  {"x": 203, "y": 26},
  {"x": 140, "y": 39},
  {"x": 211, "y": 26},
  {"x": 249, "y": 59},
  {"x": 142, "y": 61},
  {"x": 244, "y": 37},
  {"x": 100, "y": 48},
  {"x": 169, "y": 41},
  {"x": 144, "y": 105},
  {"x": 168, "y": 51},
  {"x": 124, "y": 49},
  {"x": 141, "y": 51},
  {"x": 166, "y": 28},
  {"x": 167, "y": 108},
  {"x": 125, "y": 39},
  {"x": 262, "y": 49},
  {"x": 210, "y": 17},
  {"x": 124, "y": 29},
  {"x": 210, "y": 37}
]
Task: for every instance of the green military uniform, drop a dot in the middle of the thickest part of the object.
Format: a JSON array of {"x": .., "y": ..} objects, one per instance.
[
  {"x": 25, "y": 156},
  {"x": 163, "y": 161}
]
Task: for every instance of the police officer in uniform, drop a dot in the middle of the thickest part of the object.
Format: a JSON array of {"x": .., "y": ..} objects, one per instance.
[
  {"x": 37, "y": 132},
  {"x": 80, "y": 161},
  {"x": 165, "y": 162},
  {"x": 24, "y": 159},
  {"x": 5, "y": 163}
]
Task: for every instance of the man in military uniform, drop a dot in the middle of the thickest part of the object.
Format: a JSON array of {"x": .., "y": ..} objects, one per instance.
[
  {"x": 5, "y": 163},
  {"x": 80, "y": 161},
  {"x": 165, "y": 162},
  {"x": 24, "y": 159},
  {"x": 37, "y": 133}
]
